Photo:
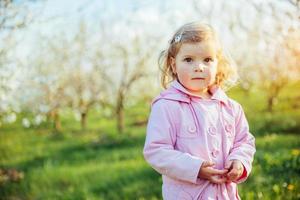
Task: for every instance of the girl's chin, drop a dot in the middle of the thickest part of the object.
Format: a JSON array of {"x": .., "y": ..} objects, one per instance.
[{"x": 198, "y": 90}]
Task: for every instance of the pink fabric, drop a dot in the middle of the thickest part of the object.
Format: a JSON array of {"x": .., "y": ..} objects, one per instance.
[{"x": 184, "y": 130}]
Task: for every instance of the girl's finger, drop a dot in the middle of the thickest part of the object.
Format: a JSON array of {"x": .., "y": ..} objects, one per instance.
[
  {"x": 228, "y": 165},
  {"x": 233, "y": 175},
  {"x": 208, "y": 164},
  {"x": 218, "y": 180},
  {"x": 237, "y": 165},
  {"x": 217, "y": 171},
  {"x": 233, "y": 172},
  {"x": 232, "y": 178}
]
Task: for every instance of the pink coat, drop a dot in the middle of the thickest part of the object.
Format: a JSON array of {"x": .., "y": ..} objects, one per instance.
[{"x": 184, "y": 131}]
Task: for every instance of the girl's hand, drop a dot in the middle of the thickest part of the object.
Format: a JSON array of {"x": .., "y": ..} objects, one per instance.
[
  {"x": 213, "y": 175},
  {"x": 235, "y": 170}
]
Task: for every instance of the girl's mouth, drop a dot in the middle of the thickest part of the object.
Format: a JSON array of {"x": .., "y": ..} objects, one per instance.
[{"x": 198, "y": 78}]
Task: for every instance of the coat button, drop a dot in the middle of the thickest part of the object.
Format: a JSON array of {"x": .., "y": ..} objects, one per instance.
[
  {"x": 192, "y": 129},
  {"x": 228, "y": 127},
  {"x": 215, "y": 153},
  {"x": 212, "y": 130}
]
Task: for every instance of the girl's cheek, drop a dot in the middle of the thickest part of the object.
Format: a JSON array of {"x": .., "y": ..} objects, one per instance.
[
  {"x": 185, "y": 71},
  {"x": 213, "y": 72}
]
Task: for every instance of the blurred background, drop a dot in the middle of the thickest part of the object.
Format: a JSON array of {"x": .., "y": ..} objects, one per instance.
[{"x": 77, "y": 79}]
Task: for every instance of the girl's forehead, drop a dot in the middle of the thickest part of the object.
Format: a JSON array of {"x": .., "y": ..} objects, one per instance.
[{"x": 207, "y": 47}]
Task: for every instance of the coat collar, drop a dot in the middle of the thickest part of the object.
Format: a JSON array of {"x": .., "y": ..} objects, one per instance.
[{"x": 179, "y": 93}]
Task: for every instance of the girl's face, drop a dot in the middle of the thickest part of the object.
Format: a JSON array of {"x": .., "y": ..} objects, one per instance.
[{"x": 196, "y": 66}]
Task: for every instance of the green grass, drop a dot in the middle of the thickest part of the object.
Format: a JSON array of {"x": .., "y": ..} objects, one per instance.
[
  {"x": 99, "y": 163},
  {"x": 76, "y": 166},
  {"x": 86, "y": 166},
  {"x": 276, "y": 168}
]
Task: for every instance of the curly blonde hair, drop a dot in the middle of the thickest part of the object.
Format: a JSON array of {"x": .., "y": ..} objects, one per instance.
[{"x": 195, "y": 32}]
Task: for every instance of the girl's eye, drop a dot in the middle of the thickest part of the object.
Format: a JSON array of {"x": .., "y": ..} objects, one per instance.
[
  {"x": 208, "y": 60},
  {"x": 188, "y": 59}
]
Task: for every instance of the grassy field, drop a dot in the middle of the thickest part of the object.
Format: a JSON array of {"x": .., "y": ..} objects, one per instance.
[{"x": 99, "y": 163}]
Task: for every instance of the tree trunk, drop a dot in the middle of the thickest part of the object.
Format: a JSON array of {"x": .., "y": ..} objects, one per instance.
[
  {"x": 120, "y": 113},
  {"x": 271, "y": 101},
  {"x": 120, "y": 118},
  {"x": 56, "y": 118},
  {"x": 273, "y": 95},
  {"x": 83, "y": 120}
]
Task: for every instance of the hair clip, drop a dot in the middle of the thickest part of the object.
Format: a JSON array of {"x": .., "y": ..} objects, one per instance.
[{"x": 177, "y": 38}]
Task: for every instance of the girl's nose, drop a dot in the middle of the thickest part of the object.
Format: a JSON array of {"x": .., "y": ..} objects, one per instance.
[{"x": 200, "y": 67}]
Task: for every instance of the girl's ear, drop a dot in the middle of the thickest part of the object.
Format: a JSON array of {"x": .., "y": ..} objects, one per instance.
[{"x": 173, "y": 65}]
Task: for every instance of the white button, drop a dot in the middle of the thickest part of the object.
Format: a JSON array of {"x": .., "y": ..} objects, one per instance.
[
  {"x": 212, "y": 130},
  {"x": 215, "y": 153},
  {"x": 229, "y": 130},
  {"x": 192, "y": 129},
  {"x": 228, "y": 127}
]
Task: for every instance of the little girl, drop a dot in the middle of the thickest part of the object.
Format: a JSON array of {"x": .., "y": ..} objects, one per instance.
[{"x": 197, "y": 137}]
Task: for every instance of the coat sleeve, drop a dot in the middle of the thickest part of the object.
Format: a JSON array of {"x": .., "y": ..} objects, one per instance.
[
  {"x": 159, "y": 149},
  {"x": 244, "y": 145}
]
